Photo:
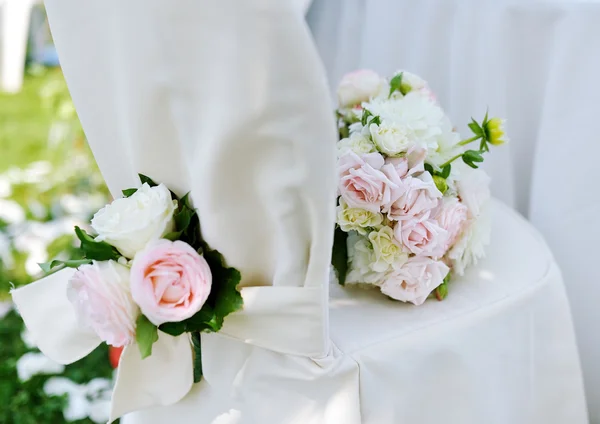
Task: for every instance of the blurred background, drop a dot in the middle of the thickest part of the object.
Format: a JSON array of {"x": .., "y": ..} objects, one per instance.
[{"x": 49, "y": 182}]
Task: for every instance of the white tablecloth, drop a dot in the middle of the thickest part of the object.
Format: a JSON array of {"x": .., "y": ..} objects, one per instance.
[{"x": 535, "y": 63}]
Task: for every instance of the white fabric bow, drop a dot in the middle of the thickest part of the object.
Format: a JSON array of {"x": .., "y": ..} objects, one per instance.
[{"x": 166, "y": 376}]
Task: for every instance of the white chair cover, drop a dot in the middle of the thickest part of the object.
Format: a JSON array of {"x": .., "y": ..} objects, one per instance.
[
  {"x": 228, "y": 100},
  {"x": 530, "y": 61}
]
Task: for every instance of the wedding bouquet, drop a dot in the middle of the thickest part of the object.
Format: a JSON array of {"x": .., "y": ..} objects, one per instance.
[
  {"x": 412, "y": 204},
  {"x": 148, "y": 269}
]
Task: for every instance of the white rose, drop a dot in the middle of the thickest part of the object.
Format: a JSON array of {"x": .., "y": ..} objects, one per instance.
[
  {"x": 388, "y": 253},
  {"x": 414, "y": 282},
  {"x": 359, "y": 86},
  {"x": 361, "y": 256},
  {"x": 470, "y": 247},
  {"x": 390, "y": 140},
  {"x": 356, "y": 219},
  {"x": 130, "y": 223},
  {"x": 356, "y": 143}
]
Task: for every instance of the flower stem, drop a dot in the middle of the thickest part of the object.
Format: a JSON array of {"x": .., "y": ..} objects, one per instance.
[
  {"x": 450, "y": 161},
  {"x": 469, "y": 140}
]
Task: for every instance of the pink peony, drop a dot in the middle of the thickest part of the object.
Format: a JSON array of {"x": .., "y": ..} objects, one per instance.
[
  {"x": 419, "y": 195},
  {"x": 452, "y": 216},
  {"x": 170, "y": 281},
  {"x": 362, "y": 184},
  {"x": 422, "y": 236},
  {"x": 359, "y": 86},
  {"x": 415, "y": 280},
  {"x": 102, "y": 300}
]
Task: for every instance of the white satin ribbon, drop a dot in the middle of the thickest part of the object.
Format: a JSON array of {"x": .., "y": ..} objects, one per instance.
[{"x": 289, "y": 320}]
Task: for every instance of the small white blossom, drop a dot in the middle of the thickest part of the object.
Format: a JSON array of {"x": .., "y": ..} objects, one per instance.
[{"x": 33, "y": 363}]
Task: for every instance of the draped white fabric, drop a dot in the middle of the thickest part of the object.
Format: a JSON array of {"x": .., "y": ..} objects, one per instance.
[
  {"x": 228, "y": 100},
  {"x": 533, "y": 62}
]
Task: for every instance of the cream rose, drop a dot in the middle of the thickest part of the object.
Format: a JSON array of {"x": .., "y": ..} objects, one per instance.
[
  {"x": 388, "y": 253},
  {"x": 356, "y": 219},
  {"x": 356, "y": 143},
  {"x": 417, "y": 278},
  {"x": 102, "y": 299},
  {"x": 130, "y": 223},
  {"x": 362, "y": 256},
  {"x": 390, "y": 139}
]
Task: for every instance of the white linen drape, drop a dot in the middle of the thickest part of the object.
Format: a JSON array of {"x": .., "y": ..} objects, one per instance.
[{"x": 533, "y": 62}]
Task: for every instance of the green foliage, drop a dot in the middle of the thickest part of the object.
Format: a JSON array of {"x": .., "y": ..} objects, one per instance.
[
  {"x": 146, "y": 334},
  {"x": 339, "y": 256},
  {"x": 95, "y": 250},
  {"x": 26, "y": 403},
  {"x": 40, "y": 124}
]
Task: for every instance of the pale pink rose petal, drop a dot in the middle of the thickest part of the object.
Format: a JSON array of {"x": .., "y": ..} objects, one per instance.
[
  {"x": 452, "y": 216},
  {"x": 170, "y": 281},
  {"x": 422, "y": 236},
  {"x": 102, "y": 299},
  {"x": 420, "y": 195},
  {"x": 417, "y": 278}
]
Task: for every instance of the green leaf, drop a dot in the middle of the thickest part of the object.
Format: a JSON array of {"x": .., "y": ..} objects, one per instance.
[
  {"x": 147, "y": 180},
  {"x": 429, "y": 168},
  {"x": 146, "y": 334},
  {"x": 173, "y": 236},
  {"x": 183, "y": 218},
  {"x": 173, "y": 328},
  {"x": 376, "y": 120},
  {"x": 129, "y": 191},
  {"x": 228, "y": 298},
  {"x": 96, "y": 250},
  {"x": 47, "y": 267},
  {"x": 396, "y": 84},
  {"x": 197, "y": 345},
  {"x": 442, "y": 291},
  {"x": 473, "y": 155},
  {"x": 445, "y": 173},
  {"x": 476, "y": 128},
  {"x": 339, "y": 255},
  {"x": 365, "y": 117}
]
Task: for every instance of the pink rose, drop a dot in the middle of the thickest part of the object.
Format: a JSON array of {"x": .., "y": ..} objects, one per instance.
[
  {"x": 415, "y": 280},
  {"x": 452, "y": 217},
  {"x": 362, "y": 184},
  {"x": 358, "y": 86},
  {"x": 419, "y": 195},
  {"x": 422, "y": 236},
  {"x": 170, "y": 281},
  {"x": 102, "y": 300}
]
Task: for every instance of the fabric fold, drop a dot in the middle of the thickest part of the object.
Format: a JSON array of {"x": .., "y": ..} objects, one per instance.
[{"x": 51, "y": 319}]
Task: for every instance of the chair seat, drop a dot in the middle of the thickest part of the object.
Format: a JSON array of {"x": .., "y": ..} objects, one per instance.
[{"x": 499, "y": 349}]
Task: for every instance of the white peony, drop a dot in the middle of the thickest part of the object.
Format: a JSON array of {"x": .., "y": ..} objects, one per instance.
[
  {"x": 356, "y": 219},
  {"x": 388, "y": 253},
  {"x": 131, "y": 223},
  {"x": 473, "y": 186},
  {"x": 391, "y": 139},
  {"x": 356, "y": 143},
  {"x": 361, "y": 255},
  {"x": 33, "y": 363},
  {"x": 470, "y": 247},
  {"x": 447, "y": 145},
  {"x": 419, "y": 117}
]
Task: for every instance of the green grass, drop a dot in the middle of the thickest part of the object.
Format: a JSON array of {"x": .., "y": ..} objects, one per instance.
[{"x": 24, "y": 123}]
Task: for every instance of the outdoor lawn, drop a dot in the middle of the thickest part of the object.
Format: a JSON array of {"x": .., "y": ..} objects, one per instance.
[{"x": 48, "y": 183}]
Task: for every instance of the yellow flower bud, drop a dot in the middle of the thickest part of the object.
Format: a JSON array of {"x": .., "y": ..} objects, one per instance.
[{"x": 494, "y": 128}]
